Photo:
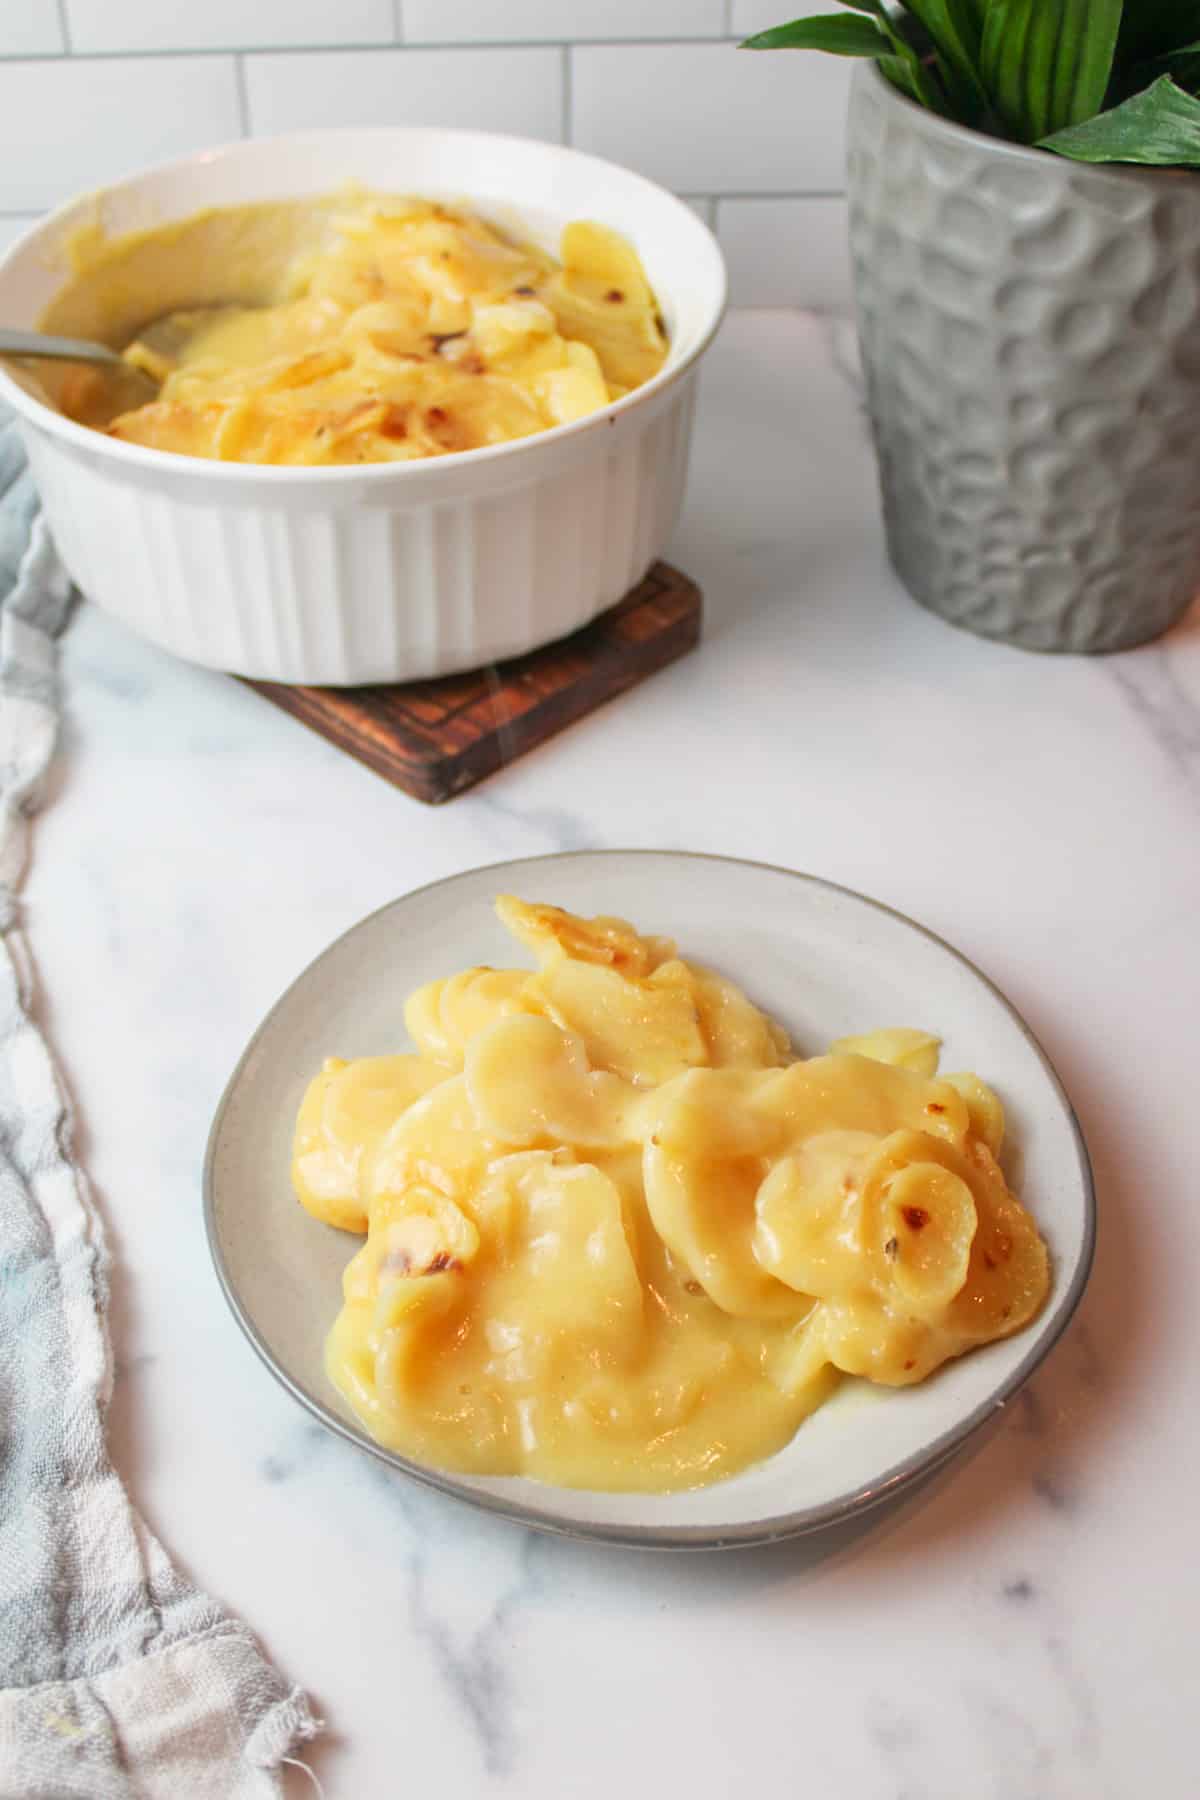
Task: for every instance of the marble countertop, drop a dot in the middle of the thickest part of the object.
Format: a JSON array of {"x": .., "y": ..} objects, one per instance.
[{"x": 1021, "y": 1628}]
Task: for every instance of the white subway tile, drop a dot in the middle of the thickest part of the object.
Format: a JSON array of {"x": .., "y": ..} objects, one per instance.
[
  {"x": 226, "y": 24},
  {"x": 749, "y": 16},
  {"x": 12, "y": 225},
  {"x": 77, "y": 124},
  {"x": 508, "y": 21},
  {"x": 786, "y": 253},
  {"x": 516, "y": 90},
  {"x": 711, "y": 118},
  {"x": 30, "y": 28}
]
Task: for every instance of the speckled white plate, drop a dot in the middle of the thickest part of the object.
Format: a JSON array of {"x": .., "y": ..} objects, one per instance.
[{"x": 826, "y": 962}]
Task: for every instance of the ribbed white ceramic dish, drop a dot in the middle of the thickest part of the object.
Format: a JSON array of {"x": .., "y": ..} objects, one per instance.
[{"x": 393, "y": 571}]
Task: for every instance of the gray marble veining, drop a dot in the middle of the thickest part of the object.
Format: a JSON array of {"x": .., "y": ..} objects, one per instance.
[{"x": 1149, "y": 685}]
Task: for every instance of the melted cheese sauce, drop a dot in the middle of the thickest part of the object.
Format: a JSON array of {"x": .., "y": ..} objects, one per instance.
[
  {"x": 616, "y": 1237},
  {"x": 416, "y": 331}
]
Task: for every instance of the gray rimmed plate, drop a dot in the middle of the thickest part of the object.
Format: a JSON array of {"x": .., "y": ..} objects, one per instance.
[{"x": 824, "y": 960}]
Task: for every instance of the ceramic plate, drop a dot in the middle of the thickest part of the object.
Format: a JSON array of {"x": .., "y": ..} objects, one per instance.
[{"x": 823, "y": 960}]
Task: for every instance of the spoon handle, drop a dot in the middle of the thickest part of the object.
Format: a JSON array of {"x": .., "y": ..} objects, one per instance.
[{"x": 35, "y": 343}]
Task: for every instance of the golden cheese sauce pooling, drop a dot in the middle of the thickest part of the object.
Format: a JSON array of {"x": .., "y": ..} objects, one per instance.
[
  {"x": 617, "y": 1238},
  {"x": 419, "y": 330}
]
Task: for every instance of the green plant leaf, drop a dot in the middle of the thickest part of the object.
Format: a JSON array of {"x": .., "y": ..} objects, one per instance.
[
  {"x": 1046, "y": 63},
  {"x": 834, "y": 32},
  {"x": 880, "y": 36},
  {"x": 908, "y": 74},
  {"x": 900, "y": 75},
  {"x": 912, "y": 66},
  {"x": 1159, "y": 126},
  {"x": 1153, "y": 27},
  {"x": 955, "y": 29},
  {"x": 1183, "y": 65}
]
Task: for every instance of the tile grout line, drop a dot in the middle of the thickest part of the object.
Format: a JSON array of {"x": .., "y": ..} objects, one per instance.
[
  {"x": 728, "y": 19},
  {"x": 398, "y": 20},
  {"x": 568, "y": 97},
  {"x": 243, "y": 92},
  {"x": 64, "y": 25},
  {"x": 134, "y": 53}
]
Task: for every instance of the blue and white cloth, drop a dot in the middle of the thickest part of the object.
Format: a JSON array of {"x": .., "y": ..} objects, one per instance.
[{"x": 118, "y": 1679}]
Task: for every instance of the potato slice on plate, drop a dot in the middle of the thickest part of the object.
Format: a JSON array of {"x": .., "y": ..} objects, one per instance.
[
  {"x": 346, "y": 1111},
  {"x": 704, "y": 1162},
  {"x": 899, "y": 1045},
  {"x": 438, "y": 1144},
  {"x": 644, "y": 1030},
  {"x": 530, "y": 1084},
  {"x": 443, "y": 1016},
  {"x": 983, "y": 1106},
  {"x": 612, "y": 943},
  {"x": 808, "y": 1213}
]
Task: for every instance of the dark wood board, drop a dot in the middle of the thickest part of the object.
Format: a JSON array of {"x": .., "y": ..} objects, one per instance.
[{"x": 435, "y": 739}]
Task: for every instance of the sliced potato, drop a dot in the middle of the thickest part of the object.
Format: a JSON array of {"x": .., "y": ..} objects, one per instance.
[
  {"x": 344, "y": 1115},
  {"x": 530, "y": 1084},
  {"x": 899, "y": 1045},
  {"x": 612, "y": 943},
  {"x": 443, "y": 1016}
]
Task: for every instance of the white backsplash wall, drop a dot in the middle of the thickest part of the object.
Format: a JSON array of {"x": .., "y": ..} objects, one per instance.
[{"x": 92, "y": 89}]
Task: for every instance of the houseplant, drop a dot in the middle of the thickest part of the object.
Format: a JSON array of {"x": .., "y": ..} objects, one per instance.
[{"x": 1025, "y": 228}]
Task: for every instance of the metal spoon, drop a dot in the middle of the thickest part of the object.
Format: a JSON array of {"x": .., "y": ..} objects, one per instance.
[
  {"x": 125, "y": 386},
  {"x": 165, "y": 338},
  {"x": 58, "y": 349}
]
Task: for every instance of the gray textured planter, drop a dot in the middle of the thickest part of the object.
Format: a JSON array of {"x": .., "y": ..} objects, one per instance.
[{"x": 1030, "y": 331}]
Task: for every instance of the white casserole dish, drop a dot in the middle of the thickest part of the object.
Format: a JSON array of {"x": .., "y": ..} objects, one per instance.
[{"x": 382, "y": 572}]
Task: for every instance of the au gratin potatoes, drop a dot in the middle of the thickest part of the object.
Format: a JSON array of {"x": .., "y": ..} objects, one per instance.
[
  {"x": 414, "y": 330},
  {"x": 618, "y": 1236}
]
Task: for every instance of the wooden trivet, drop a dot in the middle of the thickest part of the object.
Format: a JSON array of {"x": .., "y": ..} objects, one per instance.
[{"x": 435, "y": 739}]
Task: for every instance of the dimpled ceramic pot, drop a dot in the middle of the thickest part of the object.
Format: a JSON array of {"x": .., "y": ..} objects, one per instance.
[{"x": 1030, "y": 332}]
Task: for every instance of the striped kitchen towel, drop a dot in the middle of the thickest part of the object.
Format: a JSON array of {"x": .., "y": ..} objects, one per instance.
[{"x": 118, "y": 1679}]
